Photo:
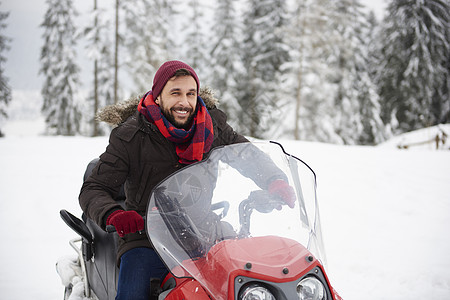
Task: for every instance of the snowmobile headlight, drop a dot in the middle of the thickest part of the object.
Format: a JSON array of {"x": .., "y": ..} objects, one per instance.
[
  {"x": 256, "y": 292},
  {"x": 311, "y": 288}
]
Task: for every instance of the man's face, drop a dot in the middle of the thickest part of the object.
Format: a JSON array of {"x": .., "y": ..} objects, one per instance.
[{"x": 178, "y": 100}]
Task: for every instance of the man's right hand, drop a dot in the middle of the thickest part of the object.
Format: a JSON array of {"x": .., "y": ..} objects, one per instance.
[
  {"x": 282, "y": 189},
  {"x": 125, "y": 222}
]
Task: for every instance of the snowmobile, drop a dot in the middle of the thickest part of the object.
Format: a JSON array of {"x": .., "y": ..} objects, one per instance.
[{"x": 221, "y": 234}]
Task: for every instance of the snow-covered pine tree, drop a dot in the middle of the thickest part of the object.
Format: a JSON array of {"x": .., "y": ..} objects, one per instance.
[
  {"x": 98, "y": 36},
  {"x": 440, "y": 107},
  {"x": 225, "y": 64},
  {"x": 148, "y": 37},
  {"x": 58, "y": 65},
  {"x": 195, "y": 40},
  {"x": 373, "y": 128},
  {"x": 5, "y": 89},
  {"x": 117, "y": 42},
  {"x": 413, "y": 77},
  {"x": 308, "y": 93},
  {"x": 441, "y": 99},
  {"x": 264, "y": 52},
  {"x": 355, "y": 93},
  {"x": 373, "y": 38}
]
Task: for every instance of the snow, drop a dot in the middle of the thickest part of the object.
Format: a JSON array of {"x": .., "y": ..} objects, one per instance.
[
  {"x": 385, "y": 213},
  {"x": 70, "y": 272}
]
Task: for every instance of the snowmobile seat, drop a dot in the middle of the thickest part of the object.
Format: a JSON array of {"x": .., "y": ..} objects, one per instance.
[
  {"x": 103, "y": 271},
  {"x": 101, "y": 267},
  {"x": 98, "y": 248}
]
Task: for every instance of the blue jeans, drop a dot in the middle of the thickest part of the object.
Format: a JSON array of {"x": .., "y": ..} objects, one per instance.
[{"x": 137, "y": 267}]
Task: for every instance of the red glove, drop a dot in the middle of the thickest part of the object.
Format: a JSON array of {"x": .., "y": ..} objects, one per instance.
[
  {"x": 125, "y": 221},
  {"x": 282, "y": 189}
]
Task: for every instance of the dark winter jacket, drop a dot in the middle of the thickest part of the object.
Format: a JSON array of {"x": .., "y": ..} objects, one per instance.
[{"x": 139, "y": 157}]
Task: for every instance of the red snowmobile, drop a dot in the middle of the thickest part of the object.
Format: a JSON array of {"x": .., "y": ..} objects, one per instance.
[{"x": 220, "y": 234}]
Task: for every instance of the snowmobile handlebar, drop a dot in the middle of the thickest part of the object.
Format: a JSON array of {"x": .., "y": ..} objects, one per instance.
[
  {"x": 261, "y": 201},
  {"x": 110, "y": 229},
  {"x": 225, "y": 206}
]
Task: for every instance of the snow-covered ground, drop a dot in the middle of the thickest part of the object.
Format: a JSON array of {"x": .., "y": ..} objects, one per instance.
[{"x": 385, "y": 214}]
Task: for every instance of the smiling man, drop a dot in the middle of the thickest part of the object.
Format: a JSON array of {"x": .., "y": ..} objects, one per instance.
[{"x": 171, "y": 128}]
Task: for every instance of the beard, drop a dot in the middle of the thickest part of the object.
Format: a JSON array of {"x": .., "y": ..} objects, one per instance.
[{"x": 186, "y": 125}]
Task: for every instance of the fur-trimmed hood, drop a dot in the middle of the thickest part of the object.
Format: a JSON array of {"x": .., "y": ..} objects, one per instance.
[{"x": 118, "y": 113}]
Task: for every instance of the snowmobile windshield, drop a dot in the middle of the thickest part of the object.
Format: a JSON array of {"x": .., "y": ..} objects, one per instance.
[{"x": 226, "y": 197}]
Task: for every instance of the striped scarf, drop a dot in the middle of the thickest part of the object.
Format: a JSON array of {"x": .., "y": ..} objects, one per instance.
[{"x": 190, "y": 144}]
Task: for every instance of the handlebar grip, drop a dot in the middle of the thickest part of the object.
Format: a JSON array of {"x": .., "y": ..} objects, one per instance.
[{"x": 110, "y": 229}]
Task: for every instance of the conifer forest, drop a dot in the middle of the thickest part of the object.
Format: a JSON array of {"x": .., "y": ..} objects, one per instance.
[{"x": 315, "y": 70}]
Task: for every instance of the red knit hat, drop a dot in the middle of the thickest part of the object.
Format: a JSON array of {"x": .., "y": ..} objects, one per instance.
[{"x": 166, "y": 71}]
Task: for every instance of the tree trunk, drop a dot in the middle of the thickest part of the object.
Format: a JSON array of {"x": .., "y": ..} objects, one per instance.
[
  {"x": 95, "y": 129},
  {"x": 116, "y": 54}
]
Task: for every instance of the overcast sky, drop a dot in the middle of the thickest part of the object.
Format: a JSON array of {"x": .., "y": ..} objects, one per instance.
[
  {"x": 23, "y": 27},
  {"x": 22, "y": 66}
]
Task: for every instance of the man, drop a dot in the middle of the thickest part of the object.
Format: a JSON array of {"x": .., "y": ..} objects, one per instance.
[{"x": 171, "y": 128}]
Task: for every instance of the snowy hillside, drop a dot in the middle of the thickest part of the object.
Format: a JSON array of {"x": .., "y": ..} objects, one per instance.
[{"x": 385, "y": 214}]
